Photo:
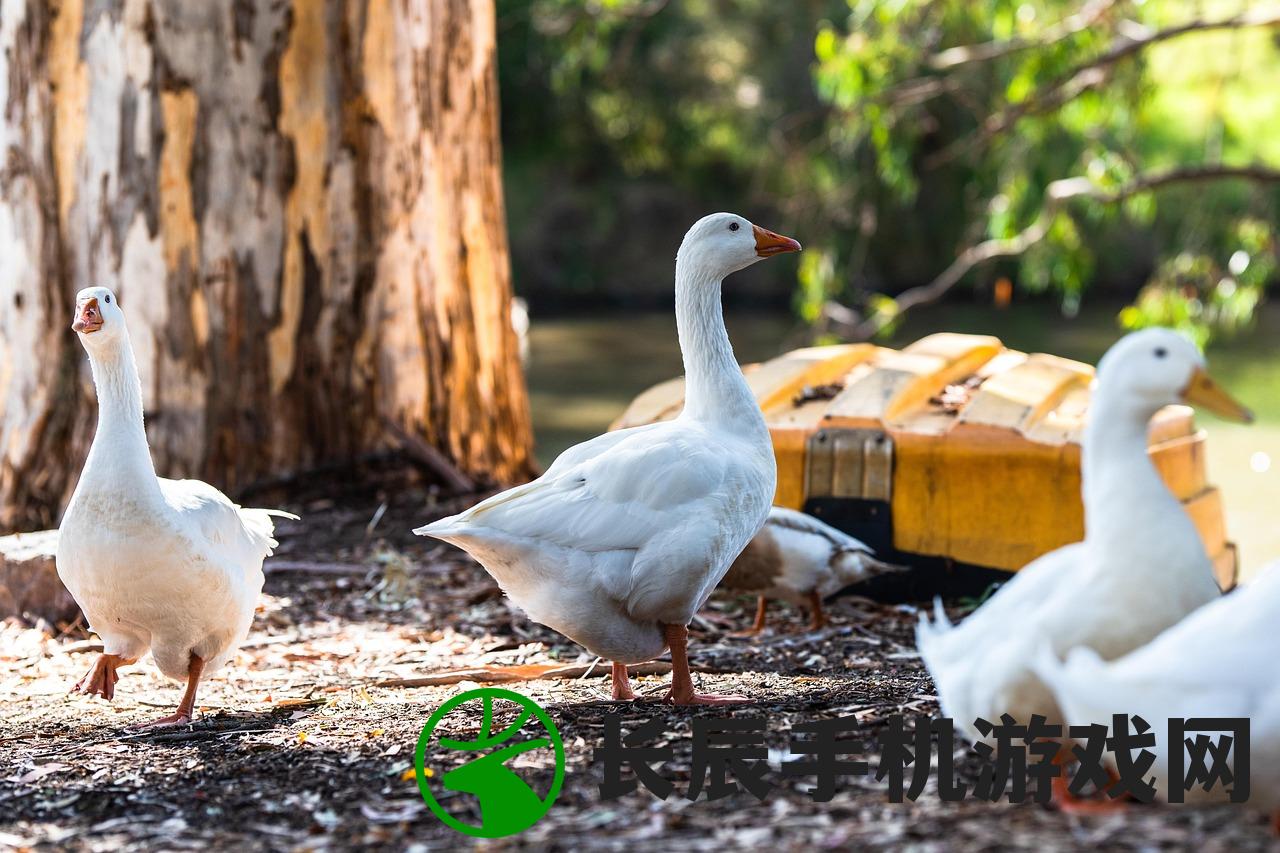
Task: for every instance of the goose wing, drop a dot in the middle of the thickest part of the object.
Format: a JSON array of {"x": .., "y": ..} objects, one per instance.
[
  {"x": 970, "y": 663},
  {"x": 792, "y": 520},
  {"x": 226, "y": 532},
  {"x": 640, "y": 489}
]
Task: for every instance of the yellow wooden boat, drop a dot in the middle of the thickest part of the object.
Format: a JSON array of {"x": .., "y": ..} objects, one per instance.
[{"x": 956, "y": 455}]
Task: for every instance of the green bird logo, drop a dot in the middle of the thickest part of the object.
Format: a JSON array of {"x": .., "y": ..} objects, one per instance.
[{"x": 506, "y": 801}]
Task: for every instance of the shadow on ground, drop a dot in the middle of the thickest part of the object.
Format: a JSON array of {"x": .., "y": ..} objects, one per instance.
[{"x": 297, "y": 745}]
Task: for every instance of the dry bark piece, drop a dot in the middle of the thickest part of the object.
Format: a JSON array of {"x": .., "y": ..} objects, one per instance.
[{"x": 29, "y": 585}]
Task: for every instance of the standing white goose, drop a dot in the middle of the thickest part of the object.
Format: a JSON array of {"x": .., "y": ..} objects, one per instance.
[
  {"x": 1141, "y": 567},
  {"x": 623, "y": 538},
  {"x": 1220, "y": 661},
  {"x": 170, "y": 565}
]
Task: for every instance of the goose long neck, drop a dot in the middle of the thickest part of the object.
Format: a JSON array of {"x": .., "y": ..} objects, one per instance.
[
  {"x": 715, "y": 389},
  {"x": 1117, "y": 470},
  {"x": 119, "y": 457}
]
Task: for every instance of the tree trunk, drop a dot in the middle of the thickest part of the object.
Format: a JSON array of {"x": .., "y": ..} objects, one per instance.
[{"x": 299, "y": 205}]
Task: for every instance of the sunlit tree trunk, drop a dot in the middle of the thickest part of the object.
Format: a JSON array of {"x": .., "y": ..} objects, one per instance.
[{"x": 299, "y": 205}]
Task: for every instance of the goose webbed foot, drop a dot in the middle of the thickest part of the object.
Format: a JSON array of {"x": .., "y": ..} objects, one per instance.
[
  {"x": 101, "y": 678},
  {"x": 175, "y": 719},
  {"x": 1068, "y": 802},
  {"x": 622, "y": 691},
  {"x": 186, "y": 706},
  {"x": 682, "y": 692}
]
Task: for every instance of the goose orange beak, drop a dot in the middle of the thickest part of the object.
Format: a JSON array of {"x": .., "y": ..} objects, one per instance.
[
  {"x": 769, "y": 244},
  {"x": 88, "y": 317},
  {"x": 1202, "y": 391}
]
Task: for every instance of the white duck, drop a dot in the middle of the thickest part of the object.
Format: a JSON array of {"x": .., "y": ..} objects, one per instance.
[
  {"x": 802, "y": 560},
  {"x": 1141, "y": 567},
  {"x": 170, "y": 565},
  {"x": 1220, "y": 661},
  {"x": 625, "y": 536}
]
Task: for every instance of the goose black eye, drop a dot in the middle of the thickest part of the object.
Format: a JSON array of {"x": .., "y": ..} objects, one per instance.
[
  {"x": 108, "y": 299},
  {"x": 733, "y": 226},
  {"x": 1161, "y": 352}
]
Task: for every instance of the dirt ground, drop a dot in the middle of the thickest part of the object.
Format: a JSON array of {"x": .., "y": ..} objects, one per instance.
[{"x": 298, "y": 746}]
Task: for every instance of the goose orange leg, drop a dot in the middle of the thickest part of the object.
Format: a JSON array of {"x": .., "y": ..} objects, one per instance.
[
  {"x": 187, "y": 705},
  {"x": 101, "y": 679},
  {"x": 1069, "y": 803},
  {"x": 762, "y": 613},
  {"x": 622, "y": 691},
  {"x": 682, "y": 692},
  {"x": 817, "y": 615}
]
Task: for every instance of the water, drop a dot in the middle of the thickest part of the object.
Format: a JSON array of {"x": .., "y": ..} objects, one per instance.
[{"x": 583, "y": 372}]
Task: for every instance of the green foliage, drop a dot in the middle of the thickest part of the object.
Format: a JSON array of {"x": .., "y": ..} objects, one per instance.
[
  {"x": 1197, "y": 295},
  {"x": 867, "y": 129},
  {"x": 817, "y": 283},
  {"x": 991, "y": 134},
  {"x": 648, "y": 86}
]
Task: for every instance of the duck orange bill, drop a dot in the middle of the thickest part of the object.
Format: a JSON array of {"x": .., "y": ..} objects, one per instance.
[
  {"x": 88, "y": 317},
  {"x": 768, "y": 243},
  {"x": 1202, "y": 391}
]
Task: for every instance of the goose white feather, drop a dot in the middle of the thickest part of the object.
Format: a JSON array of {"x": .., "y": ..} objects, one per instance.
[
  {"x": 1141, "y": 567},
  {"x": 170, "y": 566},
  {"x": 631, "y": 531},
  {"x": 1218, "y": 662}
]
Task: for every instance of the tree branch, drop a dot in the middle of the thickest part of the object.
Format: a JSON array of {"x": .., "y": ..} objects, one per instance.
[
  {"x": 954, "y": 57},
  {"x": 1057, "y": 195},
  {"x": 1093, "y": 73}
]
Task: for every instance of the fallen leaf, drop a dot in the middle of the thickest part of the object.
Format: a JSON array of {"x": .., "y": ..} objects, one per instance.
[
  {"x": 393, "y": 812},
  {"x": 40, "y": 772}
]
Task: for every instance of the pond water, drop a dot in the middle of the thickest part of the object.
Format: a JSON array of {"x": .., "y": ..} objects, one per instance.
[{"x": 583, "y": 372}]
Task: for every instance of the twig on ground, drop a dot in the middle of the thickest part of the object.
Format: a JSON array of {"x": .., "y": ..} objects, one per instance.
[
  {"x": 270, "y": 641},
  {"x": 499, "y": 675},
  {"x": 273, "y": 566},
  {"x": 83, "y": 647}
]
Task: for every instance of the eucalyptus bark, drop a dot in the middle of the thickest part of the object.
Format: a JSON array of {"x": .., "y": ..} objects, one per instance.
[{"x": 299, "y": 205}]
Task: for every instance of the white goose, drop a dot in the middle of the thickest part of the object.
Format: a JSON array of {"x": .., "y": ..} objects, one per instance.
[
  {"x": 1141, "y": 567},
  {"x": 1220, "y": 661},
  {"x": 623, "y": 538},
  {"x": 170, "y": 565},
  {"x": 802, "y": 560}
]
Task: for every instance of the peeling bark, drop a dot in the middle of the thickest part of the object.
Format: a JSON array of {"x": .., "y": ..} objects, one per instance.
[
  {"x": 43, "y": 416},
  {"x": 29, "y": 585},
  {"x": 299, "y": 205}
]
